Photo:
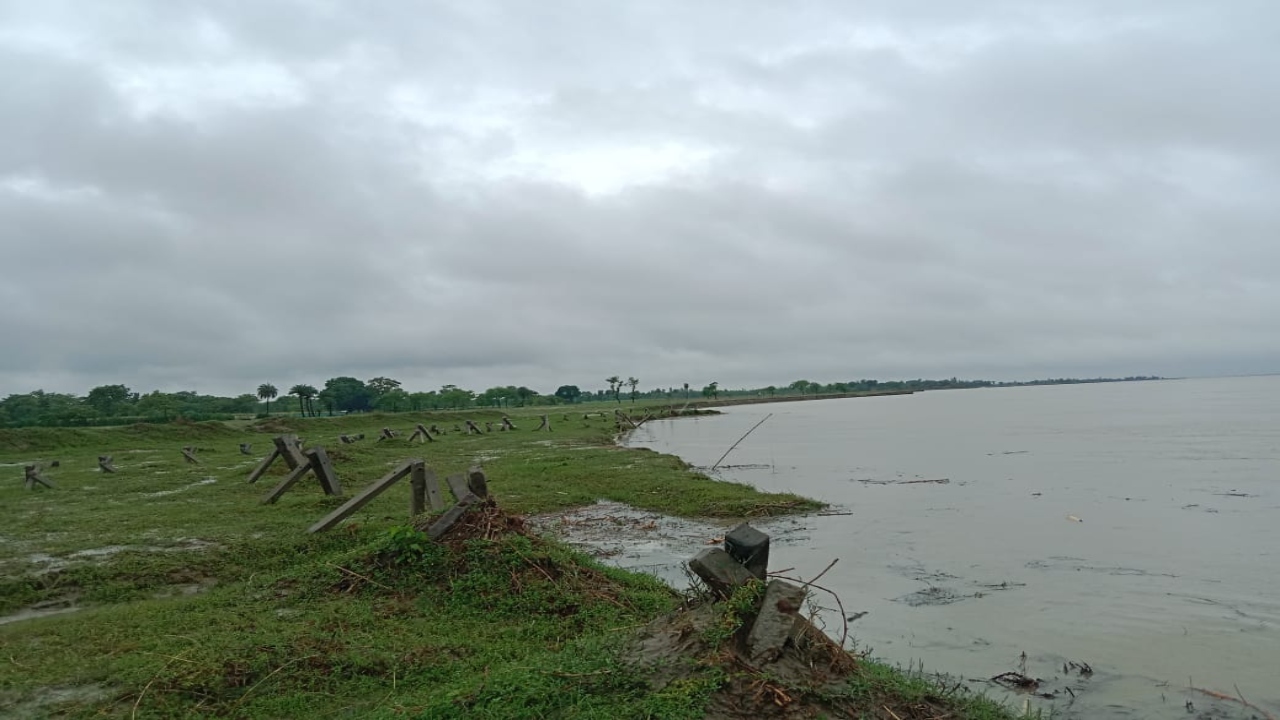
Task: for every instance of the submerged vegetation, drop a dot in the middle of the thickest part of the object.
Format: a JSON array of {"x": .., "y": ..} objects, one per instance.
[{"x": 167, "y": 589}]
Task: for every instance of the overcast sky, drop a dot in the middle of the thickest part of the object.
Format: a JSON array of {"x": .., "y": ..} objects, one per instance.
[{"x": 210, "y": 195}]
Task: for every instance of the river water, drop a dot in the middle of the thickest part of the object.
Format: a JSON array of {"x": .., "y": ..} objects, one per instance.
[{"x": 1129, "y": 526}]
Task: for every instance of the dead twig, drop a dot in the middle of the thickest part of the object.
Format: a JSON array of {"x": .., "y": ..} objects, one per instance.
[
  {"x": 606, "y": 671},
  {"x": 1240, "y": 699},
  {"x": 844, "y": 632},
  {"x": 355, "y": 574},
  {"x": 744, "y": 437},
  {"x": 136, "y": 703},
  {"x": 268, "y": 677}
]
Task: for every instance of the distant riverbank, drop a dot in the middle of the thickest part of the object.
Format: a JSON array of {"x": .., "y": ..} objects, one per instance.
[{"x": 726, "y": 402}]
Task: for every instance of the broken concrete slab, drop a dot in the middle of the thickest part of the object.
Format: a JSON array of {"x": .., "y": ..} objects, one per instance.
[
  {"x": 363, "y": 498},
  {"x": 477, "y": 483},
  {"x": 451, "y": 517},
  {"x": 720, "y": 571},
  {"x": 779, "y": 621},
  {"x": 289, "y": 448}
]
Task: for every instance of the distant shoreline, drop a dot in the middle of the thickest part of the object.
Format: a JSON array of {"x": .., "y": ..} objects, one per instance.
[
  {"x": 792, "y": 398},
  {"x": 706, "y": 403}
]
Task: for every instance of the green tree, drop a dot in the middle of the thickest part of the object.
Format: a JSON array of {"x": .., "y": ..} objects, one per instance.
[
  {"x": 380, "y": 386},
  {"x": 615, "y": 387},
  {"x": 524, "y": 394},
  {"x": 164, "y": 406},
  {"x": 497, "y": 396},
  {"x": 109, "y": 400},
  {"x": 241, "y": 404},
  {"x": 686, "y": 391},
  {"x": 305, "y": 394},
  {"x": 633, "y": 382},
  {"x": 452, "y": 396},
  {"x": 348, "y": 394},
  {"x": 267, "y": 392},
  {"x": 423, "y": 400},
  {"x": 568, "y": 393},
  {"x": 800, "y": 386},
  {"x": 711, "y": 391},
  {"x": 392, "y": 400}
]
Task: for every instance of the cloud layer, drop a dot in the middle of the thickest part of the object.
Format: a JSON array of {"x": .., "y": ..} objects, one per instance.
[{"x": 212, "y": 195}]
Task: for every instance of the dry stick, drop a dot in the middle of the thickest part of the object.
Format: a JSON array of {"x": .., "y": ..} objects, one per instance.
[
  {"x": 362, "y": 577},
  {"x": 1223, "y": 696},
  {"x": 268, "y": 677},
  {"x": 155, "y": 677},
  {"x": 894, "y": 714},
  {"x": 744, "y": 437},
  {"x": 844, "y": 619}
]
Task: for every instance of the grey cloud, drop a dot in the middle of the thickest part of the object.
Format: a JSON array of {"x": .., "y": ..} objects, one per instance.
[{"x": 489, "y": 192}]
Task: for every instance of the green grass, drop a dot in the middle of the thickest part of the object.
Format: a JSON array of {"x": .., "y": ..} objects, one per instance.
[{"x": 366, "y": 621}]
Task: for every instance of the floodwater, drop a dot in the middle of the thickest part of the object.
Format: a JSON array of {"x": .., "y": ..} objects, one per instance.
[{"x": 1132, "y": 527}]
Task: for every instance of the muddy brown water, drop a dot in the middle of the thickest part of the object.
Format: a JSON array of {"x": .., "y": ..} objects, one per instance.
[{"x": 1130, "y": 526}]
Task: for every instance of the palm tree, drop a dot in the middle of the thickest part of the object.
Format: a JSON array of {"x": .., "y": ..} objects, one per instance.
[
  {"x": 633, "y": 382},
  {"x": 615, "y": 386},
  {"x": 267, "y": 392},
  {"x": 304, "y": 393}
]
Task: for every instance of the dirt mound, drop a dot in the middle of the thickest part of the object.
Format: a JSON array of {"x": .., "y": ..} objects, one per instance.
[
  {"x": 179, "y": 429},
  {"x": 812, "y": 677},
  {"x": 484, "y": 521},
  {"x": 39, "y": 439},
  {"x": 274, "y": 426}
]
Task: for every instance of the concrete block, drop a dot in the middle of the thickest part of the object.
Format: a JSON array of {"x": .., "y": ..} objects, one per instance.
[
  {"x": 750, "y": 547},
  {"x": 778, "y": 622},
  {"x": 720, "y": 571}
]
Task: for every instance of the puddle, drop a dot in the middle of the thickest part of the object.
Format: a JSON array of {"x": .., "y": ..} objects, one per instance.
[
  {"x": 50, "y": 563},
  {"x": 649, "y": 542},
  {"x": 186, "y": 589},
  {"x": 60, "y": 606},
  {"x": 45, "y": 699},
  {"x": 184, "y": 488},
  {"x": 631, "y": 538}
]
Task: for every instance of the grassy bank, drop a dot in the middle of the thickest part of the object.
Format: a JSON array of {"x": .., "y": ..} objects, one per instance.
[{"x": 182, "y": 595}]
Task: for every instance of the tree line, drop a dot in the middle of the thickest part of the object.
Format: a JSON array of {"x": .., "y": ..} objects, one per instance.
[{"x": 118, "y": 404}]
